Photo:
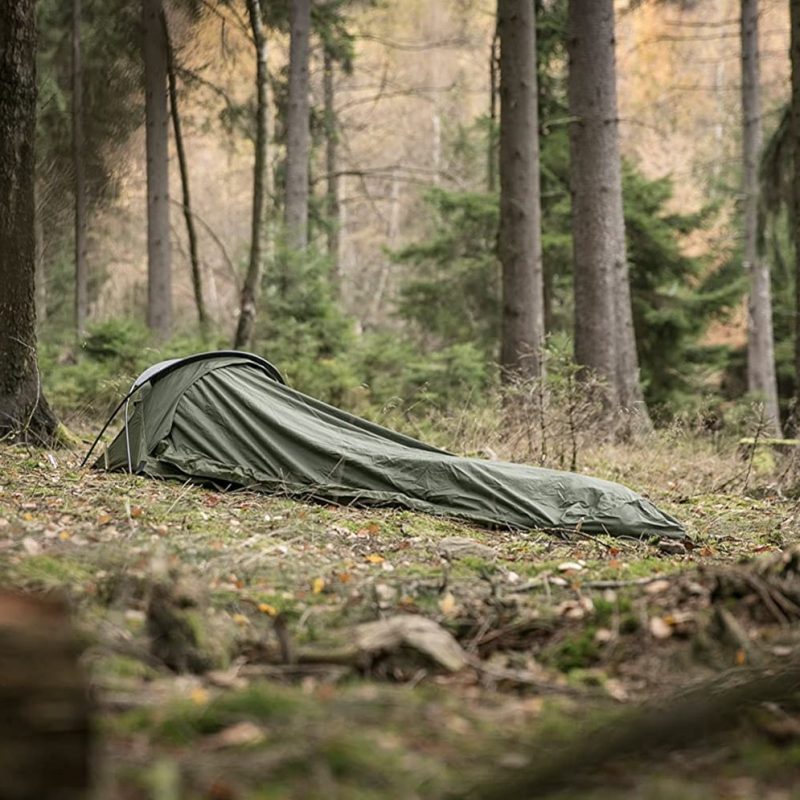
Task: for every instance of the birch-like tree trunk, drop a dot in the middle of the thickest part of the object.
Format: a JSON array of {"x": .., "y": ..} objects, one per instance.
[
  {"x": 298, "y": 134},
  {"x": 760, "y": 348},
  {"x": 79, "y": 177},
  {"x": 183, "y": 166},
  {"x": 24, "y": 413},
  {"x": 519, "y": 240},
  {"x": 255, "y": 267},
  {"x": 159, "y": 270}
]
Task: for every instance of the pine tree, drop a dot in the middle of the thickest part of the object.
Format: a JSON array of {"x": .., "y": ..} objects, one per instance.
[{"x": 519, "y": 240}]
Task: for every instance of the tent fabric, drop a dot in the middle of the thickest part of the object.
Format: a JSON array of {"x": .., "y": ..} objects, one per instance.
[{"x": 222, "y": 420}]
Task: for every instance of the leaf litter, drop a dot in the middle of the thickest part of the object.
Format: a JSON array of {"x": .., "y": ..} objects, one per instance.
[{"x": 236, "y": 589}]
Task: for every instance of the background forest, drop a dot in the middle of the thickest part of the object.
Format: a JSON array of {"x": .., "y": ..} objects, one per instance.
[
  {"x": 557, "y": 232},
  {"x": 395, "y": 301}
]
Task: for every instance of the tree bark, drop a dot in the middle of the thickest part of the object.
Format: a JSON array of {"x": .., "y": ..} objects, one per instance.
[
  {"x": 297, "y": 126},
  {"x": 605, "y": 341},
  {"x": 331, "y": 167},
  {"x": 45, "y": 733},
  {"x": 519, "y": 239},
  {"x": 40, "y": 276},
  {"x": 794, "y": 13},
  {"x": 252, "y": 283},
  {"x": 491, "y": 134},
  {"x": 591, "y": 181},
  {"x": 183, "y": 165},
  {"x": 159, "y": 270},
  {"x": 760, "y": 348},
  {"x": 79, "y": 175},
  {"x": 24, "y": 413}
]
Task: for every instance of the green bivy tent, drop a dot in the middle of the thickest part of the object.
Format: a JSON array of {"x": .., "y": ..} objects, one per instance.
[{"x": 227, "y": 419}]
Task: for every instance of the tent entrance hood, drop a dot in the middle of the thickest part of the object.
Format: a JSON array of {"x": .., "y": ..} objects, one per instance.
[{"x": 227, "y": 418}]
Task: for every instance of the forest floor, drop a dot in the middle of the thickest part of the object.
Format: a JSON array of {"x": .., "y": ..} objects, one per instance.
[{"x": 296, "y": 674}]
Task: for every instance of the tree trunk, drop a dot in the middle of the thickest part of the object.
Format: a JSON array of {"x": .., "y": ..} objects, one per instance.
[
  {"x": 491, "y": 134},
  {"x": 519, "y": 239},
  {"x": 24, "y": 413},
  {"x": 331, "y": 167},
  {"x": 760, "y": 349},
  {"x": 44, "y": 706},
  {"x": 604, "y": 336},
  {"x": 297, "y": 126},
  {"x": 794, "y": 12},
  {"x": 159, "y": 271},
  {"x": 40, "y": 276},
  {"x": 761, "y": 377},
  {"x": 81, "y": 269},
  {"x": 252, "y": 283},
  {"x": 191, "y": 232}
]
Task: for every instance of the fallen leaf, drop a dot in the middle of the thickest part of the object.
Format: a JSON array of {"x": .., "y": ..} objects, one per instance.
[
  {"x": 31, "y": 546},
  {"x": 447, "y": 605},
  {"x": 318, "y": 585},
  {"x": 603, "y": 636},
  {"x": 137, "y": 511},
  {"x": 659, "y": 628},
  {"x": 199, "y": 696},
  {"x": 237, "y": 735},
  {"x": 374, "y": 558},
  {"x": 103, "y": 519},
  {"x": 266, "y": 608},
  {"x": 240, "y": 619},
  {"x": 656, "y": 587}
]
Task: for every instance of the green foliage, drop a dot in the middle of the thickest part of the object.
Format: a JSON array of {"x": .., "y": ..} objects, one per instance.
[
  {"x": 89, "y": 381},
  {"x": 674, "y": 296},
  {"x": 111, "y": 77},
  {"x": 457, "y": 261}
]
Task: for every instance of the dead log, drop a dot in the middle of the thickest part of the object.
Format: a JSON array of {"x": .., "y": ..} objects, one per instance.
[{"x": 44, "y": 704}]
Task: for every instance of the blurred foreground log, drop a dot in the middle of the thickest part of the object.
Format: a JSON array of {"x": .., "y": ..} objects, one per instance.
[
  {"x": 686, "y": 719},
  {"x": 44, "y": 706}
]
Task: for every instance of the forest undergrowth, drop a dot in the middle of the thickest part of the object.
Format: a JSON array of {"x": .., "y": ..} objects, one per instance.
[{"x": 243, "y": 646}]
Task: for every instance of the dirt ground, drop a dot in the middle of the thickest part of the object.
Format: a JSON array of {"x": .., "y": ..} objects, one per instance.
[{"x": 243, "y": 646}]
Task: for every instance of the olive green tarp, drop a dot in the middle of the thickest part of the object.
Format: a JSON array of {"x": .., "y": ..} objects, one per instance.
[{"x": 221, "y": 419}]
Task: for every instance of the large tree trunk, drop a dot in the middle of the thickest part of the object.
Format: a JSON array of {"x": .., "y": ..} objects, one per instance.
[
  {"x": 45, "y": 731},
  {"x": 331, "y": 167},
  {"x": 81, "y": 269},
  {"x": 297, "y": 126},
  {"x": 760, "y": 349},
  {"x": 159, "y": 271},
  {"x": 604, "y": 336},
  {"x": 794, "y": 12},
  {"x": 252, "y": 283},
  {"x": 183, "y": 165},
  {"x": 592, "y": 177},
  {"x": 519, "y": 241},
  {"x": 23, "y": 411}
]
